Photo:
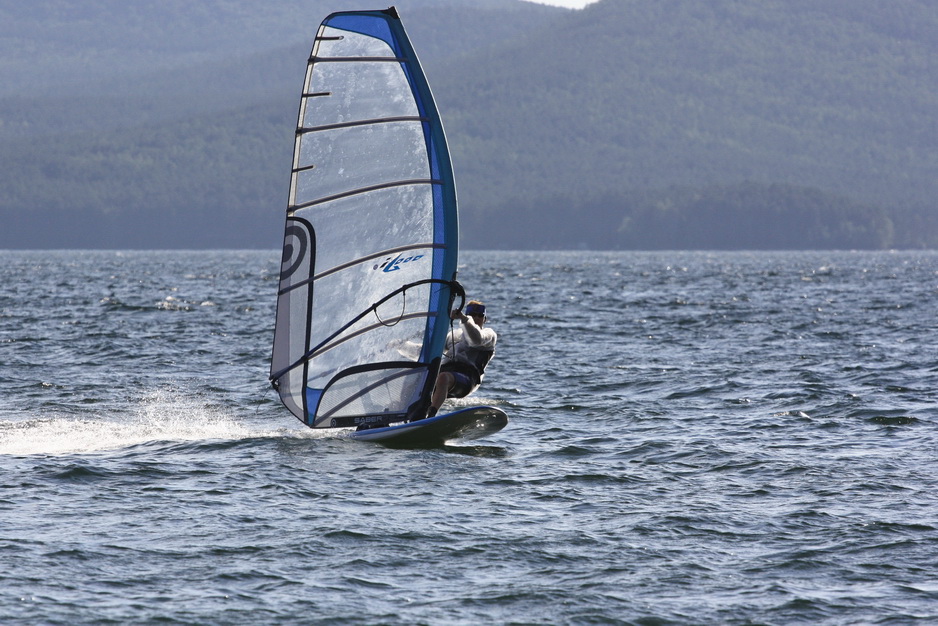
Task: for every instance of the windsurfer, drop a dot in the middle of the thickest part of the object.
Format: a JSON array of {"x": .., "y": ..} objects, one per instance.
[{"x": 469, "y": 350}]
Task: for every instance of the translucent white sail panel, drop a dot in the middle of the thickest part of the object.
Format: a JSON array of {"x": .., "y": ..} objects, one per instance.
[{"x": 369, "y": 254}]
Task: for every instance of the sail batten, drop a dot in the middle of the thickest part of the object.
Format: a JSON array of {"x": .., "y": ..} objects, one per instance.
[
  {"x": 353, "y": 192},
  {"x": 367, "y": 329},
  {"x": 370, "y": 257},
  {"x": 384, "y": 120},
  {"x": 378, "y": 255},
  {"x": 356, "y": 59},
  {"x": 370, "y": 245}
]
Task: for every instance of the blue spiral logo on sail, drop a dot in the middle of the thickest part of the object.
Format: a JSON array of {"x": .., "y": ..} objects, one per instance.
[{"x": 295, "y": 243}]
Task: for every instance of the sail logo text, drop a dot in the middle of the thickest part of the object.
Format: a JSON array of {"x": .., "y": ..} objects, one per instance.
[{"x": 391, "y": 266}]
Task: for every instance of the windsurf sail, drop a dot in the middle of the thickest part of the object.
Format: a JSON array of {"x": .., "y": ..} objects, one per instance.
[{"x": 368, "y": 272}]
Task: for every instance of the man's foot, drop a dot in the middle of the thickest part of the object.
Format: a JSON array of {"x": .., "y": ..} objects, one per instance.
[{"x": 431, "y": 412}]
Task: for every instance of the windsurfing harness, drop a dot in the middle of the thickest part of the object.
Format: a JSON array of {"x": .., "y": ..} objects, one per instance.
[{"x": 470, "y": 355}]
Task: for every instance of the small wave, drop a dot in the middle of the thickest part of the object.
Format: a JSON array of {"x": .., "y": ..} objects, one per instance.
[
  {"x": 491, "y": 452},
  {"x": 891, "y": 420},
  {"x": 115, "y": 304},
  {"x": 79, "y": 474},
  {"x": 169, "y": 303}
]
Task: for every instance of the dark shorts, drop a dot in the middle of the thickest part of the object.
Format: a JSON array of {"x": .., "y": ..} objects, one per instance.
[
  {"x": 464, "y": 377},
  {"x": 461, "y": 387}
]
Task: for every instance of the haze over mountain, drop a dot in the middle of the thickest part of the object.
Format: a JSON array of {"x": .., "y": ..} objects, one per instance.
[{"x": 628, "y": 124}]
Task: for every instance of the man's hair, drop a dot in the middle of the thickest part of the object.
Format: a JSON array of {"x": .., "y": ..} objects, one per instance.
[{"x": 474, "y": 307}]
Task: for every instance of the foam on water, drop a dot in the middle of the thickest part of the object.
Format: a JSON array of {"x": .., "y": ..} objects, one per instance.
[
  {"x": 163, "y": 414},
  {"x": 455, "y": 404}
]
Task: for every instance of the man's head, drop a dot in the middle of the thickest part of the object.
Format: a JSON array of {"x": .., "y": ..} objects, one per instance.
[{"x": 476, "y": 310}]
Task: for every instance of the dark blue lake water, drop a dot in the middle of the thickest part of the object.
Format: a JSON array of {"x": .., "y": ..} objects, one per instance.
[{"x": 724, "y": 438}]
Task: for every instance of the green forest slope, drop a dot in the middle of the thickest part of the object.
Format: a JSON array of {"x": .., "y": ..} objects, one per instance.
[
  {"x": 826, "y": 106},
  {"x": 670, "y": 124}
]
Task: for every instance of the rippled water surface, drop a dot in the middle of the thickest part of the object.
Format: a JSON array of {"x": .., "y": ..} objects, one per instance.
[{"x": 723, "y": 438}]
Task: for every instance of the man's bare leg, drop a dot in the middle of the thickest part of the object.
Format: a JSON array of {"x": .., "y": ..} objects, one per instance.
[{"x": 444, "y": 382}]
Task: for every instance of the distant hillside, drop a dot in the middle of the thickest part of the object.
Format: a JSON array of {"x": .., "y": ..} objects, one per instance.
[
  {"x": 194, "y": 149},
  {"x": 50, "y": 45},
  {"x": 833, "y": 95},
  {"x": 630, "y": 124}
]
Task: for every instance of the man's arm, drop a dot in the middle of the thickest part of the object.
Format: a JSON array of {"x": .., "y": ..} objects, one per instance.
[{"x": 475, "y": 336}]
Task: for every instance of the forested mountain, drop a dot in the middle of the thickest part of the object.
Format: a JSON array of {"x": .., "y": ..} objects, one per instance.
[
  {"x": 830, "y": 103},
  {"x": 630, "y": 124},
  {"x": 48, "y": 45}
]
